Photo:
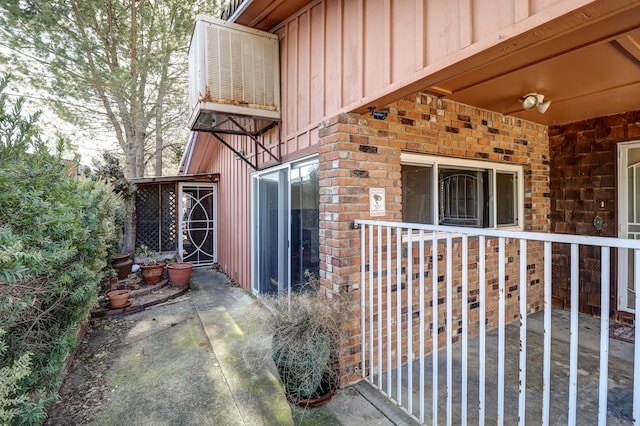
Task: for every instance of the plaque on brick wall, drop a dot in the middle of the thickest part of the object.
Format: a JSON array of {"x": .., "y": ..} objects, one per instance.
[{"x": 377, "y": 202}]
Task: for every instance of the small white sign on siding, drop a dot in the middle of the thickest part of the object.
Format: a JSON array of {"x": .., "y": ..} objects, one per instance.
[{"x": 377, "y": 202}]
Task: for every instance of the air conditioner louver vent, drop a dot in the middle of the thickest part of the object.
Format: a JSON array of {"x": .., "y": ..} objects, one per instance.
[{"x": 233, "y": 70}]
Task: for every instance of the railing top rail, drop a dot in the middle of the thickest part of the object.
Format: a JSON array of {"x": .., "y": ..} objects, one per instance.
[{"x": 534, "y": 236}]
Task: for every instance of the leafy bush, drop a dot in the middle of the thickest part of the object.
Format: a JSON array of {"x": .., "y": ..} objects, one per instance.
[{"x": 57, "y": 233}]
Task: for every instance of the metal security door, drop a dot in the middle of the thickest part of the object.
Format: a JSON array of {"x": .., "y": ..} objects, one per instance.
[
  {"x": 628, "y": 220},
  {"x": 198, "y": 224}
]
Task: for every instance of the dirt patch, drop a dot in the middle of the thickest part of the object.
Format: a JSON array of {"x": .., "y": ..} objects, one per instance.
[{"x": 85, "y": 390}]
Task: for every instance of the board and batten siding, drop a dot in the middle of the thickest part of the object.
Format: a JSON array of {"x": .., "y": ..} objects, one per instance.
[
  {"x": 341, "y": 55},
  {"x": 233, "y": 209}
]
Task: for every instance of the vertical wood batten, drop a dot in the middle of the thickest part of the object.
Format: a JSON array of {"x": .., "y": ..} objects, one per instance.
[
  {"x": 573, "y": 345},
  {"x": 466, "y": 23},
  {"x": 323, "y": 32},
  {"x": 386, "y": 62},
  {"x": 604, "y": 335},
  {"x": 340, "y": 58},
  {"x": 420, "y": 35},
  {"x": 521, "y": 10},
  {"x": 361, "y": 49}
]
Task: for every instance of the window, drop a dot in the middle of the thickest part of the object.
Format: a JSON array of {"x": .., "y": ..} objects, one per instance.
[
  {"x": 285, "y": 234},
  {"x": 461, "y": 192}
]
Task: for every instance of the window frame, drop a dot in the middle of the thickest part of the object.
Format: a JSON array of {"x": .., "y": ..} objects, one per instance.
[
  {"x": 437, "y": 162},
  {"x": 284, "y": 243}
]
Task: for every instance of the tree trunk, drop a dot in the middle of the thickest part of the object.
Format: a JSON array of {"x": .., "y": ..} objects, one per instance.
[
  {"x": 128, "y": 243},
  {"x": 158, "y": 152}
]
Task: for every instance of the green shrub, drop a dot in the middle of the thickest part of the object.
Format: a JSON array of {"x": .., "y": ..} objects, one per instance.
[{"x": 57, "y": 233}]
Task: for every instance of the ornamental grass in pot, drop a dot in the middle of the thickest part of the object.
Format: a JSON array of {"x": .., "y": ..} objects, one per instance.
[{"x": 306, "y": 330}]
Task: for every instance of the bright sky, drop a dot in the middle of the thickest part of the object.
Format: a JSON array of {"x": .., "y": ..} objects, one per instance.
[{"x": 88, "y": 144}]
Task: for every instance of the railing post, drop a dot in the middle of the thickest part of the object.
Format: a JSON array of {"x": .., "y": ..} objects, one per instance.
[
  {"x": 373, "y": 305},
  {"x": 434, "y": 328},
  {"x": 636, "y": 355},
  {"x": 522, "y": 402},
  {"x": 546, "y": 375},
  {"x": 573, "y": 345},
  {"x": 409, "y": 321},
  {"x": 421, "y": 353},
  {"x": 448, "y": 320},
  {"x": 399, "y": 317},
  {"x": 363, "y": 278},
  {"x": 379, "y": 246},
  {"x": 482, "y": 326},
  {"x": 371, "y": 286},
  {"x": 501, "y": 320},
  {"x": 389, "y": 310},
  {"x": 604, "y": 335},
  {"x": 465, "y": 323}
]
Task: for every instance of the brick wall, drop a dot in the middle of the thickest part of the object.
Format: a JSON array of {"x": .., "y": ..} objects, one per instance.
[
  {"x": 583, "y": 186},
  {"x": 358, "y": 152}
]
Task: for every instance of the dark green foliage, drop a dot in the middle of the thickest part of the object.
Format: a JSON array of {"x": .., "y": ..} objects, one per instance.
[{"x": 56, "y": 231}]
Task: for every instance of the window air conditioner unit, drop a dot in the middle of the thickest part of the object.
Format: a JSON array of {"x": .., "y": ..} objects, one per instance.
[{"x": 233, "y": 71}]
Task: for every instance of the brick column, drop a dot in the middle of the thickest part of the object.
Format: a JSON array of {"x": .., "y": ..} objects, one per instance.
[{"x": 351, "y": 160}]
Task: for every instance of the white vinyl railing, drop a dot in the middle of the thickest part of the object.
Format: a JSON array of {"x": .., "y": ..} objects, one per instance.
[{"x": 486, "y": 279}]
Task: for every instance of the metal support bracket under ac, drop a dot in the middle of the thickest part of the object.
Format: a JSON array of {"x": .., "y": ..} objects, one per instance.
[{"x": 257, "y": 143}]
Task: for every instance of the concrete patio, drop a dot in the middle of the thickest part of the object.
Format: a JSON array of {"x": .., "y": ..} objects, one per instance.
[{"x": 620, "y": 393}]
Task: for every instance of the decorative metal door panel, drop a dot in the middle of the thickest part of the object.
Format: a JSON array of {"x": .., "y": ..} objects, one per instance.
[{"x": 198, "y": 224}]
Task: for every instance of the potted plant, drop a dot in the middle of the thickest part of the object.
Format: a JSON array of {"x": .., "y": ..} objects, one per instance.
[
  {"x": 151, "y": 269},
  {"x": 122, "y": 263},
  {"x": 306, "y": 336},
  {"x": 179, "y": 273},
  {"x": 118, "y": 299}
]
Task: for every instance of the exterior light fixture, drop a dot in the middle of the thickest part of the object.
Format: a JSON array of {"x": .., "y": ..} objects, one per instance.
[
  {"x": 378, "y": 115},
  {"x": 535, "y": 100}
]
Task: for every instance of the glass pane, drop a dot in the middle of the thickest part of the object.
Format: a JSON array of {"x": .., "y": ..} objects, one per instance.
[
  {"x": 417, "y": 205},
  {"x": 630, "y": 193},
  {"x": 636, "y": 199},
  {"x": 198, "y": 226},
  {"x": 271, "y": 233},
  {"x": 631, "y": 294},
  {"x": 305, "y": 212},
  {"x": 461, "y": 197},
  {"x": 506, "y": 199}
]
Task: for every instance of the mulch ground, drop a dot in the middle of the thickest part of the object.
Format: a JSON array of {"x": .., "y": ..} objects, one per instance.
[{"x": 85, "y": 390}]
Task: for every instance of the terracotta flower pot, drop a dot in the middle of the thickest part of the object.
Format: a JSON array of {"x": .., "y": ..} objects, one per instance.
[
  {"x": 122, "y": 263},
  {"x": 179, "y": 273},
  {"x": 152, "y": 274},
  {"x": 118, "y": 298}
]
